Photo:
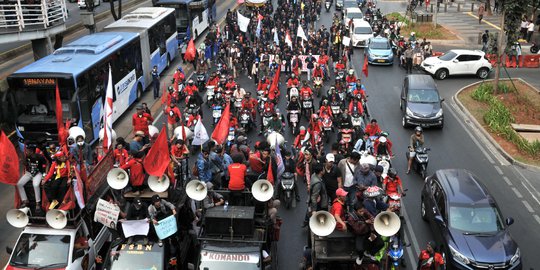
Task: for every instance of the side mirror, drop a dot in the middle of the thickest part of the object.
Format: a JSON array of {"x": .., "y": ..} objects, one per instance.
[
  {"x": 9, "y": 250},
  {"x": 403, "y": 98},
  {"x": 509, "y": 221},
  {"x": 439, "y": 220},
  {"x": 78, "y": 253},
  {"x": 455, "y": 61},
  {"x": 442, "y": 99}
]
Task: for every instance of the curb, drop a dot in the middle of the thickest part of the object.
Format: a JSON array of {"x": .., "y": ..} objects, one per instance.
[{"x": 483, "y": 131}]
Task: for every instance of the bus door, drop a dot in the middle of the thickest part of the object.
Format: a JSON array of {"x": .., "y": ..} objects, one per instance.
[{"x": 91, "y": 89}]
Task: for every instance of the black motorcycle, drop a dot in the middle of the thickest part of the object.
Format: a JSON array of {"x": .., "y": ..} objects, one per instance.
[
  {"x": 420, "y": 161},
  {"x": 287, "y": 192}
]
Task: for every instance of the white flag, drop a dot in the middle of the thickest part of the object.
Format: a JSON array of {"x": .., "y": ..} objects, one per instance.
[
  {"x": 288, "y": 39},
  {"x": 107, "y": 116},
  {"x": 243, "y": 22},
  {"x": 276, "y": 39},
  {"x": 201, "y": 136},
  {"x": 301, "y": 33}
]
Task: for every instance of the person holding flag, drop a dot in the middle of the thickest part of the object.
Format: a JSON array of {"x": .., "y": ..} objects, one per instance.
[
  {"x": 173, "y": 117},
  {"x": 57, "y": 180}
]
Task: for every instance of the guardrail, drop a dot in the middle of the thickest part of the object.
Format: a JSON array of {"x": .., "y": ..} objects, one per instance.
[{"x": 32, "y": 14}]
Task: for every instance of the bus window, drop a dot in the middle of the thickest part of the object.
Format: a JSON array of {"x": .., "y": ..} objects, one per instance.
[{"x": 86, "y": 100}]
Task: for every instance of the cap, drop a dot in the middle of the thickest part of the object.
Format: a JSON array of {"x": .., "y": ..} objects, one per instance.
[
  {"x": 330, "y": 157},
  {"x": 139, "y": 107},
  {"x": 139, "y": 133},
  {"x": 341, "y": 192},
  {"x": 155, "y": 198}
]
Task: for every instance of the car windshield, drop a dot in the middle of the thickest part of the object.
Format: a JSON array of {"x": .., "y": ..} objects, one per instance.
[
  {"x": 475, "y": 219},
  {"x": 135, "y": 257},
  {"x": 354, "y": 15},
  {"x": 423, "y": 96},
  {"x": 362, "y": 30},
  {"x": 448, "y": 56},
  {"x": 380, "y": 45},
  {"x": 41, "y": 251}
]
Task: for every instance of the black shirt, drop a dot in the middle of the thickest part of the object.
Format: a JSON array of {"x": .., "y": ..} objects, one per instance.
[
  {"x": 330, "y": 180},
  {"x": 137, "y": 214}
]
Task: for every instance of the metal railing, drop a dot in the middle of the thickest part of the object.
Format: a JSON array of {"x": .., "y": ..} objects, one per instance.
[{"x": 32, "y": 14}]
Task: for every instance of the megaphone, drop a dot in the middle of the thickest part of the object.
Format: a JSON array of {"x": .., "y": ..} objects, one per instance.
[
  {"x": 57, "y": 219},
  {"x": 152, "y": 131},
  {"x": 102, "y": 134},
  {"x": 178, "y": 133},
  {"x": 274, "y": 137},
  {"x": 262, "y": 190},
  {"x": 196, "y": 190},
  {"x": 117, "y": 178},
  {"x": 322, "y": 223},
  {"x": 387, "y": 223},
  {"x": 18, "y": 218},
  {"x": 74, "y": 132},
  {"x": 158, "y": 183}
]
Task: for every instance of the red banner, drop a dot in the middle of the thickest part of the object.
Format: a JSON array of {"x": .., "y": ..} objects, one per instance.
[
  {"x": 62, "y": 132},
  {"x": 9, "y": 161},
  {"x": 190, "y": 51},
  {"x": 221, "y": 131},
  {"x": 158, "y": 157}
]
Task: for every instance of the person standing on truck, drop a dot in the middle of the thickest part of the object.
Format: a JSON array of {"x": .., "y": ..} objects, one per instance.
[
  {"x": 160, "y": 209},
  {"x": 136, "y": 172},
  {"x": 34, "y": 167},
  {"x": 140, "y": 121},
  {"x": 338, "y": 209},
  {"x": 137, "y": 211},
  {"x": 82, "y": 153},
  {"x": 318, "y": 197},
  {"x": 57, "y": 179},
  {"x": 212, "y": 198}
]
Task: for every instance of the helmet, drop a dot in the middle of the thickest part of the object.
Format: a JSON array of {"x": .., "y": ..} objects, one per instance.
[
  {"x": 293, "y": 75},
  {"x": 384, "y": 133},
  {"x": 332, "y": 88},
  {"x": 382, "y": 139},
  {"x": 170, "y": 89},
  {"x": 392, "y": 172},
  {"x": 351, "y": 71},
  {"x": 314, "y": 116},
  {"x": 418, "y": 129},
  {"x": 302, "y": 128}
]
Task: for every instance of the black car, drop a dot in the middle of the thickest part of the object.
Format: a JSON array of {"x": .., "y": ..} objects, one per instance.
[
  {"x": 420, "y": 102},
  {"x": 466, "y": 222}
]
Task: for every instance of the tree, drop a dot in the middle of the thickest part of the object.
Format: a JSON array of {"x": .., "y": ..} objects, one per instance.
[{"x": 113, "y": 11}]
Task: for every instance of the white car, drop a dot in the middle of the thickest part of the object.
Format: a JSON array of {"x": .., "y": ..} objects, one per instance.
[
  {"x": 352, "y": 13},
  {"x": 82, "y": 3},
  {"x": 361, "y": 33},
  {"x": 458, "y": 62}
]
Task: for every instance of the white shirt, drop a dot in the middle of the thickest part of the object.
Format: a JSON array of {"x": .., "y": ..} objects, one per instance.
[
  {"x": 530, "y": 27},
  {"x": 349, "y": 176},
  {"x": 524, "y": 24}
]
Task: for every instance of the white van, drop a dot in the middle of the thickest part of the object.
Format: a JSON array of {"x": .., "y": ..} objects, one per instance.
[
  {"x": 361, "y": 33},
  {"x": 352, "y": 13},
  {"x": 82, "y": 3}
]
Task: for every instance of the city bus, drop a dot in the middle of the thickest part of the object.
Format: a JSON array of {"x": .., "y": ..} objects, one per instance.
[
  {"x": 191, "y": 15},
  {"x": 156, "y": 27},
  {"x": 80, "y": 69}
]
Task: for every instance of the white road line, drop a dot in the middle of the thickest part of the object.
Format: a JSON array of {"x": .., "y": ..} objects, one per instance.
[
  {"x": 498, "y": 170},
  {"x": 528, "y": 206},
  {"x": 518, "y": 194},
  {"x": 528, "y": 186},
  {"x": 537, "y": 218},
  {"x": 507, "y": 181},
  {"x": 411, "y": 251}
]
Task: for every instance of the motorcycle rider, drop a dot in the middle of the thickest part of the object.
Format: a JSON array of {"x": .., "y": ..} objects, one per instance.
[
  {"x": 190, "y": 88},
  {"x": 305, "y": 91},
  {"x": 351, "y": 78},
  {"x": 392, "y": 183},
  {"x": 323, "y": 63},
  {"x": 263, "y": 84},
  {"x": 275, "y": 123},
  {"x": 231, "y": 84},
  {"x": 325, "y": 109},
  {"x": 318, "y": 72},
  {"x": 416, "y": 141},
  {"x": 194, "y": 101},
  {"x": 250, "y": 104},
  {"x": 356, "y": 104},
  {"x": 339, "y": 66},
  {"x": 302, "y": 137},
  {"x": 213, "y": 80},
  {"x": 292, "y": 82},
  {"x": 373, "y": 128},
  {"x": 364, "y": 144},
  {"x": 429, "y": 259},
  {"x": 238, "y": 93},
  {"x": 381, "y": 147},
  {"x": 333, "y": 96},
  {"x": 178, "y": 77}
]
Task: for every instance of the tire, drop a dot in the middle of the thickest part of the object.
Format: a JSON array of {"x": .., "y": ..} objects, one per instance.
[
  {"x": 482, "y": 73},
  {"x": 534, "y": 49},
  {"x": 168, "y": 61},
  {"x": 139, "y": 92},
  {"x": 423, "y": 212},
  {"x": 423, "y": 171},
  {"x": 441, "y": 74},
  {"x": 404, "y": 122}
]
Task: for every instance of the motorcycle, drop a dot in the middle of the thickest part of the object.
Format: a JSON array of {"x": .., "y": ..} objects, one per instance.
[
  {"x": 534, "y": 48},
  {"x": 287, "y": 193},
  {"x": 326, "y": 126},
  {"x": 293, "y": 119},
  {"x": 327, "y": 5},
  {"x": 335, "y": 106},
  {"x": 210, "y": 94},
  {"x": 384, "y": 161},
  {"x": 340, "y": 75},
  {"x": 216, "y": 113},
  {"x": 230, "y": 138},
  {"x": 317, "y": 85},
  {"x": 420, "y": 161},
  {"x": 357, "y": 122},
  {"x": 267, "y": 116},
  {"x": 345, "y": 144},
  {"x": 192, "y": 110},
  {"x": 395, "y": 253},
  {"x": 201, "y": 81},
  {"x": 307, "y": 107},
  {"x": 245, "y": 119},
  {"x": 237, "y": 104}
]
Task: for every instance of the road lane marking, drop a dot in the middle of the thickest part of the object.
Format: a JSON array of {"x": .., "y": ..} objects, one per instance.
[
  {"x": 507, "y": 181},
  {"x": 411, "y": 251},
  {"x": 526, "y": 184},
  {"x": 487, "y": 22},
  {"x": 498, "y": 170},
  {"x": 518, "y": 194},
  {"x": 537, "y": 218},
  {"x": 528, "y": 206}
]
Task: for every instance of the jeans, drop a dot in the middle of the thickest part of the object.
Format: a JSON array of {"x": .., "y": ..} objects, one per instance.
[
  {"x": 36, "y": 181},
  {"x": 351, "y": 195},
  {"x": 309, "y": 72},
  {"x": 156, "y": 88}
]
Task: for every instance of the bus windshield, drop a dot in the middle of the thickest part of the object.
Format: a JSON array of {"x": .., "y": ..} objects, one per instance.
[
  {"x": 135, "y": 257},
  {"x": 41, "y": 251}
]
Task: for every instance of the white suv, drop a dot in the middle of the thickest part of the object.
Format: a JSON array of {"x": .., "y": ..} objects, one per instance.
[{"x": 458, "y": 62}]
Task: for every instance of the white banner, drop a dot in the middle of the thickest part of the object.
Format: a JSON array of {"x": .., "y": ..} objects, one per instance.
[
  {"x": 301, "y": 57},
  {"x": 106, "y": 213},
  {"x": 135, "y": 227},
  {"x": 346, "y": 41},
  {"x": 243, "y": 22},
  {"x": 201, "y": 135}
]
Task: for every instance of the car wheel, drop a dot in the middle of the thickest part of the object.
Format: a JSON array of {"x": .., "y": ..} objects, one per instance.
[
  {"x": 423, "y": 210},
  {"x": 441, "y": 74},
  {"x": 482, "y": 73},
  {"x": 139, "y": 92},
  {"x": 404, "y": 122}
]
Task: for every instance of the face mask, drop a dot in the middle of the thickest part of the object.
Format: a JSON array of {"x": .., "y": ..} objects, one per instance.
[{"x": 80, "y": 143}]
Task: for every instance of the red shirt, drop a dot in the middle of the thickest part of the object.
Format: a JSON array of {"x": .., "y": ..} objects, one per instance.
[
  {"x": 214, "y": 81},
  {"x": 323, "y": 59},
  {"x": 358, "y": 105},
  {"x": 190, "y": 89},
  {"x": 55, "y": 168},
  {"x": 425, "y": 262},
  {"x": 237, "y": 174},
  {"x": 292, "y": 82},
  {"x": 306, "y": 92},
  {"x": 350, "y": 79},
  {"x": 178, "y": 152},
  {"x": 372, "y": 129},
  {"x": 325, "y": 110},
  {"x": 392, "y": 186},
  {"x": 318, "y": 72},
  {"x": 172, "y": 114},
  {"x": 338, "y": 209},
  {"x": 136, "y": 171},
  {"x": 233, "y": 122},
  {"x": 141, "y": 122},
  {"x": 230, "y": 85},
  {"x": 255, "y": 163},
  {"x": 340, "y": 66},
  {"x": 120, "y": 156},
  {"x": 263, "y": 85}
]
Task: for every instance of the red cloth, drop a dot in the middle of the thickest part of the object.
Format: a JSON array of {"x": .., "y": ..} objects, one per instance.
[
  {"x": 340, "y": 66},
  {"x": 318, "y": 72},
  {"x": 372, "y": 129},
  {"x": 136, "y": 171},
  {"x": 237, "y": 174},
  {"x": 299, "y": 138},
  {"x": 263, "y": 85},
  {"x": 64, "y": 172},
  {"x": 62, "y": 132},
  {"x": 9, "y": 161},
  {"x": 213, "y": 81},
  {"x": 221, "y": 131},
  {"x": 325, "y": 110},
  {"x": 255, "y": 163},
  {"x": 270, "y": 174},
  {"x": 365, "y": 67},
  {"x": 233, "y": 123},
  {"x": 172, "y": 114},
  {"x": 306, "y": 92},
  {"x": 230, "y": 85},
  {"x": 120, "y": 156},
  {"x": 158, "y": 157},
  {"x": 178, "y": 77},
  {"x": 338, "y": 209},
  {"x": 323, "y": 60},
  {"x": 292, "y": 82},
  {"x": 424, "y": 258},
  {"x": 392, "y": 186},
  {"x": 178, "y": 152},
  {"x": 190, "y": 89},
  {"x": 141, "y": 122},
  {"x": 190, "y": 51},
  {"x": 358, "y": 104}
]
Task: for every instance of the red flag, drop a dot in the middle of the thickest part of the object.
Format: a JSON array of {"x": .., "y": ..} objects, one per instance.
[
  {"x": 365, "y": 67},
  {"x": 190, "y": 51},
  {"x": 270, "y": 175},
  {"x": 158, "y": 157},
  {"x": 9, "y": 161},
  {"x": 274, "y": 85},
  {"x": 62, "y": 132},
  {"x": 164, "y": 95},
  {"x": 68, "y": 202},
  {"x": 222, "y": 128}
]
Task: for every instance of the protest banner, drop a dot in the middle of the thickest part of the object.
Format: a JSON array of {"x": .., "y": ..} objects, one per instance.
[
  {"x": 166, "y": 227},
  {"x": 106, "y": 213},
  {"x": 135, "y": 227}
]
